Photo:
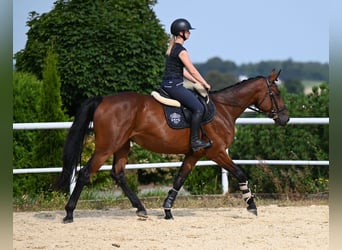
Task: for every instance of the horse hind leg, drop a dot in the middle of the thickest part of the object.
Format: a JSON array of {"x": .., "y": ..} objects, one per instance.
[
  {"x": 118, "y": 174},
  {"x": 83, "y": 178}
]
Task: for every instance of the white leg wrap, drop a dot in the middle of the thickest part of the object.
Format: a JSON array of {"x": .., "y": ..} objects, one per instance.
[
  {"x": 246, "y": 192},
  {"x": 248, "y": 195},
  {"x": 243, "y": 186}
]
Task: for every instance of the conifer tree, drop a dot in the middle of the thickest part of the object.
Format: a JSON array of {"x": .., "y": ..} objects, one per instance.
[{"x": 49, "y": 143}]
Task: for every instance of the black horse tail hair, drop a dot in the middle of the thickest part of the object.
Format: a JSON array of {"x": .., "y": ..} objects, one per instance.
[{"x": 74, "y": 141}]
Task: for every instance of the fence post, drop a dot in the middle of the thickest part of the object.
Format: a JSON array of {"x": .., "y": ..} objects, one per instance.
[
  {"x": 225, "y": 183},
  {"x": 224, "y": 178}
]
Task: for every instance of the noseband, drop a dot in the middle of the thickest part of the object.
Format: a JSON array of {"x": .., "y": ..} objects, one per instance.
[{"x": 275, "y": 110}]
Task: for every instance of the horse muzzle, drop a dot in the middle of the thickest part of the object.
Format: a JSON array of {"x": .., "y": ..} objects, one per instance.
[{"x": 281, "y": 119}]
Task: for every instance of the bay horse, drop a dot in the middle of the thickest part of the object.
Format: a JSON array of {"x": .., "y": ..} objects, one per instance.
[{"x": 132, "y": 117}]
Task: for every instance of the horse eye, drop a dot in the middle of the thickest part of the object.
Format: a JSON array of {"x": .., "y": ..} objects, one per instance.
[{"x": 276, "y": 91}]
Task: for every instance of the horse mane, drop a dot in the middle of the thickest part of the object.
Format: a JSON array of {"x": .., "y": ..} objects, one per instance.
[{"x": 237, "y": 84}]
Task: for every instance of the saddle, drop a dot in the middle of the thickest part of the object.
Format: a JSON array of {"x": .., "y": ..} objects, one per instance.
[{"x": 178, "y": 116}]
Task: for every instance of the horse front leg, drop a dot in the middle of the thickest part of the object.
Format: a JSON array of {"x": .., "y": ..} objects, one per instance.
[
  {"x": 84, "y": 175},
  {"x": 225, "y": 162},
  {"x": 172, "y": 194},
  {"x": 183, "y": 173},
  {"x": 248, "y": 197}
]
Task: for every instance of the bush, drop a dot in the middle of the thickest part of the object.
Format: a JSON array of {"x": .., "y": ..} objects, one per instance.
[
  {"x": 26, "y": 88},
  {"x": 204, "y": 180}
]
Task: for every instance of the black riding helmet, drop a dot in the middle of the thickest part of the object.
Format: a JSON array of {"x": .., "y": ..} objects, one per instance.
[{"x": 180, "y": 25}]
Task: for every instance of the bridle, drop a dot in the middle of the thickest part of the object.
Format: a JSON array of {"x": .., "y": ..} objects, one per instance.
[{"x": 275, "y": 110}]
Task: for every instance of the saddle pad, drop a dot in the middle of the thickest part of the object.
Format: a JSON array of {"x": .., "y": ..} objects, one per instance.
[{"x": 180, "y": 117}]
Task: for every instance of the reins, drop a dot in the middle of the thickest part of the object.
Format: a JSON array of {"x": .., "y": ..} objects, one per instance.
[{"x": 275, "y": 110}]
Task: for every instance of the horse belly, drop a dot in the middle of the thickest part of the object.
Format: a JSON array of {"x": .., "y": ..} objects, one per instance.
[{"x": 166, "y": 143}]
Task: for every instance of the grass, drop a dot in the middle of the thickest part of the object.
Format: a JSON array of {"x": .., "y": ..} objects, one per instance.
[{"x": 154, "y": 199}]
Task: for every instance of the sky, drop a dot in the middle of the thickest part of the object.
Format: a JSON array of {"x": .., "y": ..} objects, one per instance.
[{"x": 240, "y": 31}]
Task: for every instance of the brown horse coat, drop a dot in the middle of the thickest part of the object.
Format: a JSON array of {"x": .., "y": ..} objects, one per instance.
[{"x": 121, "y": 118}]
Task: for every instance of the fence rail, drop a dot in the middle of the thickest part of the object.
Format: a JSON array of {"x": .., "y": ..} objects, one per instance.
[
  {"x": 250, "y": 121},
  {"x": 178, "y": 164}
]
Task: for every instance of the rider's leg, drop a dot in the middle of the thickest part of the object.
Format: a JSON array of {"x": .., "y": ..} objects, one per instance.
[
  {"x": 189, "y": 100},
  {"x": 195, "y": 142}
]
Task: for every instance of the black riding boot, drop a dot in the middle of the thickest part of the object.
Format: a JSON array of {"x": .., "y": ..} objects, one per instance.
[{"x": 196, "y": 143}]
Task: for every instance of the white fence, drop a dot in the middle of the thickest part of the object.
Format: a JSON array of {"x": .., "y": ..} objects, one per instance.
[
  {"x": 251, "y": 121},
  {"x": 225, "y": 184}
]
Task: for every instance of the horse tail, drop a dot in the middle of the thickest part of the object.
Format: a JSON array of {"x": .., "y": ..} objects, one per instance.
[{"x": 74, "y": 142}]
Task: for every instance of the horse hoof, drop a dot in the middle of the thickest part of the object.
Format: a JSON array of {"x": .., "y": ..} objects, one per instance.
[
  {"x": 142, "y": 213},
  {"x": 253, "y": 211},
  {"x": 67, "y": 220},
  {"x": 168, "y": 214}
]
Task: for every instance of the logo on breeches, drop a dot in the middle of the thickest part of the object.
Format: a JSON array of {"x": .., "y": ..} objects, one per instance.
[{"x": 175, "y": 118}]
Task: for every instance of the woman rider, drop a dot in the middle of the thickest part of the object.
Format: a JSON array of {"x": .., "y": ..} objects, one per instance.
[{"x": 179, "y": 65}]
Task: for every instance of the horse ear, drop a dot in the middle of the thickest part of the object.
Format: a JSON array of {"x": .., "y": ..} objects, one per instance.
[
  {"x": 278, "y": 73},
  {"x": 273, "y": 76}
]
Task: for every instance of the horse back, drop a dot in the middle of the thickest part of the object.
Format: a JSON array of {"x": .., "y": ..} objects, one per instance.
[{"x": 128, "y": 107}]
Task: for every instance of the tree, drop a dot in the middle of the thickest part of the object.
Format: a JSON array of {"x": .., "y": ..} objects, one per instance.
[
  {"x": 48, "y": 148},
  {"x": 294, "y": 86},
  {"x": 291, "y": 69},
  {"x": 37, "y": 101},
  {"x": 103, "y": 46},
  {"x": 26, "y": 88},
  {"x": 220, "y": 80},
  {"x": 217, "y": 64}
]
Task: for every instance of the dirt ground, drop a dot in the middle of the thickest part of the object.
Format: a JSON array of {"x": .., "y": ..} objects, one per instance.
[{"x": 275, "y": 227}]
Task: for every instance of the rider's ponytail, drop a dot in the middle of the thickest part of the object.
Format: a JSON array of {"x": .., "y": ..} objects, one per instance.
[{"x": 171, "y": 43}]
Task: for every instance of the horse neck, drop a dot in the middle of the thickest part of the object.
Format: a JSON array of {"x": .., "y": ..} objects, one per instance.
[{"x": 235, "y": 99}]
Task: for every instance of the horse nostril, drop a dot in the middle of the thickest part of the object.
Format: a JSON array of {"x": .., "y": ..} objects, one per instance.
[
  {"x": 286, "y": 121},
  {"x": 282, "y": 120}
]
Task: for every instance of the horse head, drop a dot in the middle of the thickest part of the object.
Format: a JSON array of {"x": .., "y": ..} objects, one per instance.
[{"x": 272, "y": 103}]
